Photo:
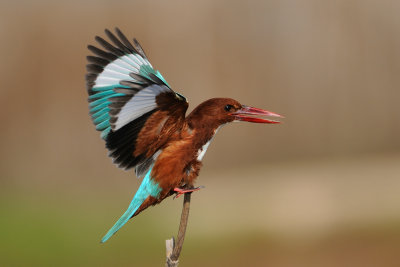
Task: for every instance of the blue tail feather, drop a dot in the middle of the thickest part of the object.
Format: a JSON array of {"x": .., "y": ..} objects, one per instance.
[{"x": 146, "y": 189}]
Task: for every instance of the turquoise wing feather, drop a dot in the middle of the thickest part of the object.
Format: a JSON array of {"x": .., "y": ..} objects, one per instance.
[{"x": 147, "y": 188}]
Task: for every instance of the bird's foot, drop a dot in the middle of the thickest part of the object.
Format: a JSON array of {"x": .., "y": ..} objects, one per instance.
[{"x": 181, "y": 191}]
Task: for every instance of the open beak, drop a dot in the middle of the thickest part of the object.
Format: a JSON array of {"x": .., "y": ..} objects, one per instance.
[{"x": 251, "y": 114}]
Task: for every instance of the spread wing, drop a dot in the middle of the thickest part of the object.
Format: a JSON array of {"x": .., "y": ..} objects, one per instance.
[{"x": 130, "y": 102}]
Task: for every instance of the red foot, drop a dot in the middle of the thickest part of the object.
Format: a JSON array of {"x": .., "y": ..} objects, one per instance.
[{"x": 181, "y": 191}]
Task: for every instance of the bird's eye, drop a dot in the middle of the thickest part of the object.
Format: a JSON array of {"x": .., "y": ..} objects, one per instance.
[{"x": 228, "y": 107}]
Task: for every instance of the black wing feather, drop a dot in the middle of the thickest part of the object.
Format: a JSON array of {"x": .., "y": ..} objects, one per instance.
[
  {"x": 117, "y": 42},
  {"x": 109, "y": 47},
  {"x": 124, "y": 40},
  {"x": 122, "y": 142}
]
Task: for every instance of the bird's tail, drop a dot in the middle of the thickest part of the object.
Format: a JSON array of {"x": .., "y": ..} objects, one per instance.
[
  {"x": 133, "y": 207},
  {"x": 146, "y": 190}
]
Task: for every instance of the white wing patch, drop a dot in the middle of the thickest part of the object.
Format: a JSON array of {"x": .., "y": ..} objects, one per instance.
[
  {"x": 119, "y": 70},
  {"x": 142, "y": 102}
]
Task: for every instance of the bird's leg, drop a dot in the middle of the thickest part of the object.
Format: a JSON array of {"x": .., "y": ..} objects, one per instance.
[{"x": 181, "y": 191}]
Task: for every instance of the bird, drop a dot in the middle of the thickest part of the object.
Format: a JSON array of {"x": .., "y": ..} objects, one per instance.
[{"x": 144, "y": 124}]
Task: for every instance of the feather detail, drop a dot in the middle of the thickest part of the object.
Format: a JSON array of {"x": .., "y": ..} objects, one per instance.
[
  {"x": 122, "y": 143},
  {"x": 142, "y": 168}
]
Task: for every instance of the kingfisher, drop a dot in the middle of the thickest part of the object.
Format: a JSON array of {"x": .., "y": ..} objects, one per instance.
[{"x": 144, "y": 126}]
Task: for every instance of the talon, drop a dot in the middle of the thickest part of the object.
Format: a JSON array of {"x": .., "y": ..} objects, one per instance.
[{"x": 181, "y": 191}]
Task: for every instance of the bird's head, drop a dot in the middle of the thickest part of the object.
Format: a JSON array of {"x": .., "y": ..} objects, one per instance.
[{"x": 218, "y": 111}]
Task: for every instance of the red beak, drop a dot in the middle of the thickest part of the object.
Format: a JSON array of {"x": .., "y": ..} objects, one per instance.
[{"x": 251, "y": 114}]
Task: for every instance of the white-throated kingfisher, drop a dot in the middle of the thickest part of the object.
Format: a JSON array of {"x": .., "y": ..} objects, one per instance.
[{"x": 143, "y": 122}]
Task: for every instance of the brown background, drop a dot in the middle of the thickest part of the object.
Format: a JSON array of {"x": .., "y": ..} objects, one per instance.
[{"x": 322, "y": 189}]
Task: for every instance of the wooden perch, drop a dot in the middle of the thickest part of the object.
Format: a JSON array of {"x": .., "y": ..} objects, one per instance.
[{"x": 174, "y": 250}]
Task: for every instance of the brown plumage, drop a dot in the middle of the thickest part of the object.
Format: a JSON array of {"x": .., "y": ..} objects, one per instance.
[
  {"x": 178, "y": 165},
  {"x": 143, "y": 123}
]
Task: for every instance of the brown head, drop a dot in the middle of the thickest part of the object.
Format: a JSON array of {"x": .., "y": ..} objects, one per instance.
[{"x": 218, "y": 111}]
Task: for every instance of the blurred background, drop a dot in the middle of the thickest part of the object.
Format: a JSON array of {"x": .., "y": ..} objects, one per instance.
[{"x": 321, "y": 189}]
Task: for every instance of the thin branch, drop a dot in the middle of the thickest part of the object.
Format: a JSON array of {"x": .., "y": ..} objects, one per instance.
[{"x": 174, "y": 250}]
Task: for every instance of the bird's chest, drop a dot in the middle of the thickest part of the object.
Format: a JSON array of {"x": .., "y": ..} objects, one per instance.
[
  {"x": 202, "y": 151},
  {"x": 203, "y": 146},
  {"x": 192, "y": 169}
]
